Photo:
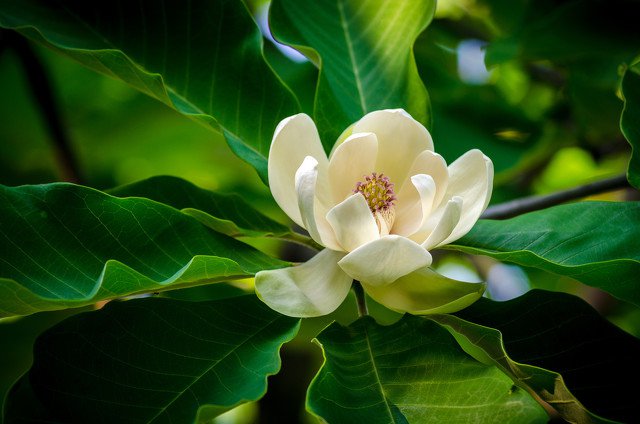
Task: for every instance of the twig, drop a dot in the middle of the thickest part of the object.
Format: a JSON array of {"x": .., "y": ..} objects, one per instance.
[
  {"x": 361, "y": 301},
  {"x": 42, "y": 90},
  {"x": 532, "y": 203}
]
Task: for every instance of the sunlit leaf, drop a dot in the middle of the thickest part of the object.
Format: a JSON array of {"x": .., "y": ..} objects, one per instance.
[
  {"x": 558, "y": 346},
  {"x": 364, "y": 51},
  {"x": 153, "y": 361},
  {"x": 226, "y": 213},
  {"x": 68, "y": 246},
  {"x": 203, "y": 58},
  {"x": 630, "y": 120},
  {"x": 410, "y": 372},
  {"x": 593, "y": 242}
]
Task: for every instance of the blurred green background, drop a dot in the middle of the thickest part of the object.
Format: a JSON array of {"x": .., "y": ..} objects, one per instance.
[{"x": 546, "y": 111}]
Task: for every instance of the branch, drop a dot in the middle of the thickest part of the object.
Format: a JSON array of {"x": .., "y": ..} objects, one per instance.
[
  {"x": 533, "y": 203},
  {"x": 42, "y": 90}
]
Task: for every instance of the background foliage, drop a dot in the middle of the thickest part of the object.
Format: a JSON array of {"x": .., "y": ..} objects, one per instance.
[{"x": 557, "y": 105}]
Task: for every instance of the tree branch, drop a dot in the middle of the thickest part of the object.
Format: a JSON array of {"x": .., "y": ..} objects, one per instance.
[
  {"x": 533, "y": 203},
  {"x": 42, "y": 90}
]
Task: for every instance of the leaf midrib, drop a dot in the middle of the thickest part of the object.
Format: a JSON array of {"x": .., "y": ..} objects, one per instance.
[
  {"x": 208, "y": 369},
  {"x": 375, "y": 371},
  {"x": 352, "y": 57}
]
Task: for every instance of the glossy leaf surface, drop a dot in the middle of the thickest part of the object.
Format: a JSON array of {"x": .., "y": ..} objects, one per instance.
[
  {"x": 68, "y": 246},
  {"x": 226, "y": 213},
  {"x": 558, "y": 346},
  {"x": 153, "y": 361},
  {"x": 593, "y": 242},
  {"x": 203, "y": 58},
  {"x": 410, "y": 372},
  {"x": 365, "y": 53}
]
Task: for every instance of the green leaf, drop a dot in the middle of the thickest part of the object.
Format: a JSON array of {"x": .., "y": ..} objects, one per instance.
[
  {"x": 300, "y": 77},
  {"x": 365, "y": 53},
  {"x": 68, "y": 246},
  {"x": 155, "y": 361},
  {"x": 226, "y": 213},
  {"x": 203, "y": 58},
  {"x": 630, "y": 120},
  {"x": 593, "y": 242},
  {"x": 410, "y": 372},
  {"x": 558, "y": 346}
]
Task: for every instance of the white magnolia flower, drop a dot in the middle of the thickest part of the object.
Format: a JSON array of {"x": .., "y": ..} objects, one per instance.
[{"x": 380, "y": 202}]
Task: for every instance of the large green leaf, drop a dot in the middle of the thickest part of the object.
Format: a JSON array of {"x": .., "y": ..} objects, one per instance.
[
  {"x": 630, "y": 120},
  {"x": 201, "y": 57},
  {"x": 225, "y": 213},
  {"x": 67, "y": 246},
  {"x": 154, "y": 361},
  {"x": 594, "y": 242},
  {"x": 410, "y": 372},
  {"x": 364, "y": 50},
  {"x": 558, "y": 346}
]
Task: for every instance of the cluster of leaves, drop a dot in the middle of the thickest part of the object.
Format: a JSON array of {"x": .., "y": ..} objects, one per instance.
[{"x": 161, "y": 359}]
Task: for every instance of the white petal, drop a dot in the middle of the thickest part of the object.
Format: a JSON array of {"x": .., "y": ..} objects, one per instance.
[
  {"x": 385, "y": 260},
  {"x": 312, "y": 211},
  {"x": 434, "y": 165},
  {"x": 295, "y": 138},
  {"x": 312, "y": 289},
  {"x": 305, "y": 183},
  {"x": 351, "y": 162},
  {"x": 400, "y": 140},
  {"x": 414, "y": 204},
  {"x": 426, "y": 292},
  {"x": 450, "y": 218},
  {"x": 470, "y": 177},
  {"x": 353, "y": 223}
]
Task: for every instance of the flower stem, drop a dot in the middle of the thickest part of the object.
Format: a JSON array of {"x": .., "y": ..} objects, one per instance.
[
  {"x": 361, "y": 301},
  {"x": 532, "y": 203}
]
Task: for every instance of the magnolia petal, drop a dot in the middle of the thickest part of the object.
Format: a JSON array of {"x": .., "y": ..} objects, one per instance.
[
  {"x": 426, "y": 292},
  {"x": 350, "y": 163},
  {"x": 385, "y": 260},
  {"x": 353, "y": 223},
  {"x": 450, "y": 218},
  {"x": 399, "y": 137},
  {"x": 434, "y": 165},
  {"x": 417, "y": 200},
  {"x": 305, "y": 184},
  {"x": 470, "y": 177},
  {"x": 295, "y": 138},
  {"x": 312, "y": 210},
  {"x": 312, "y": 289},
  {"x": 341, "y": 139}
]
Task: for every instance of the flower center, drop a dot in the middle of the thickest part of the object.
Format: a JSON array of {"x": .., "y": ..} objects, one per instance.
[{"x": 378, "y": 192}]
